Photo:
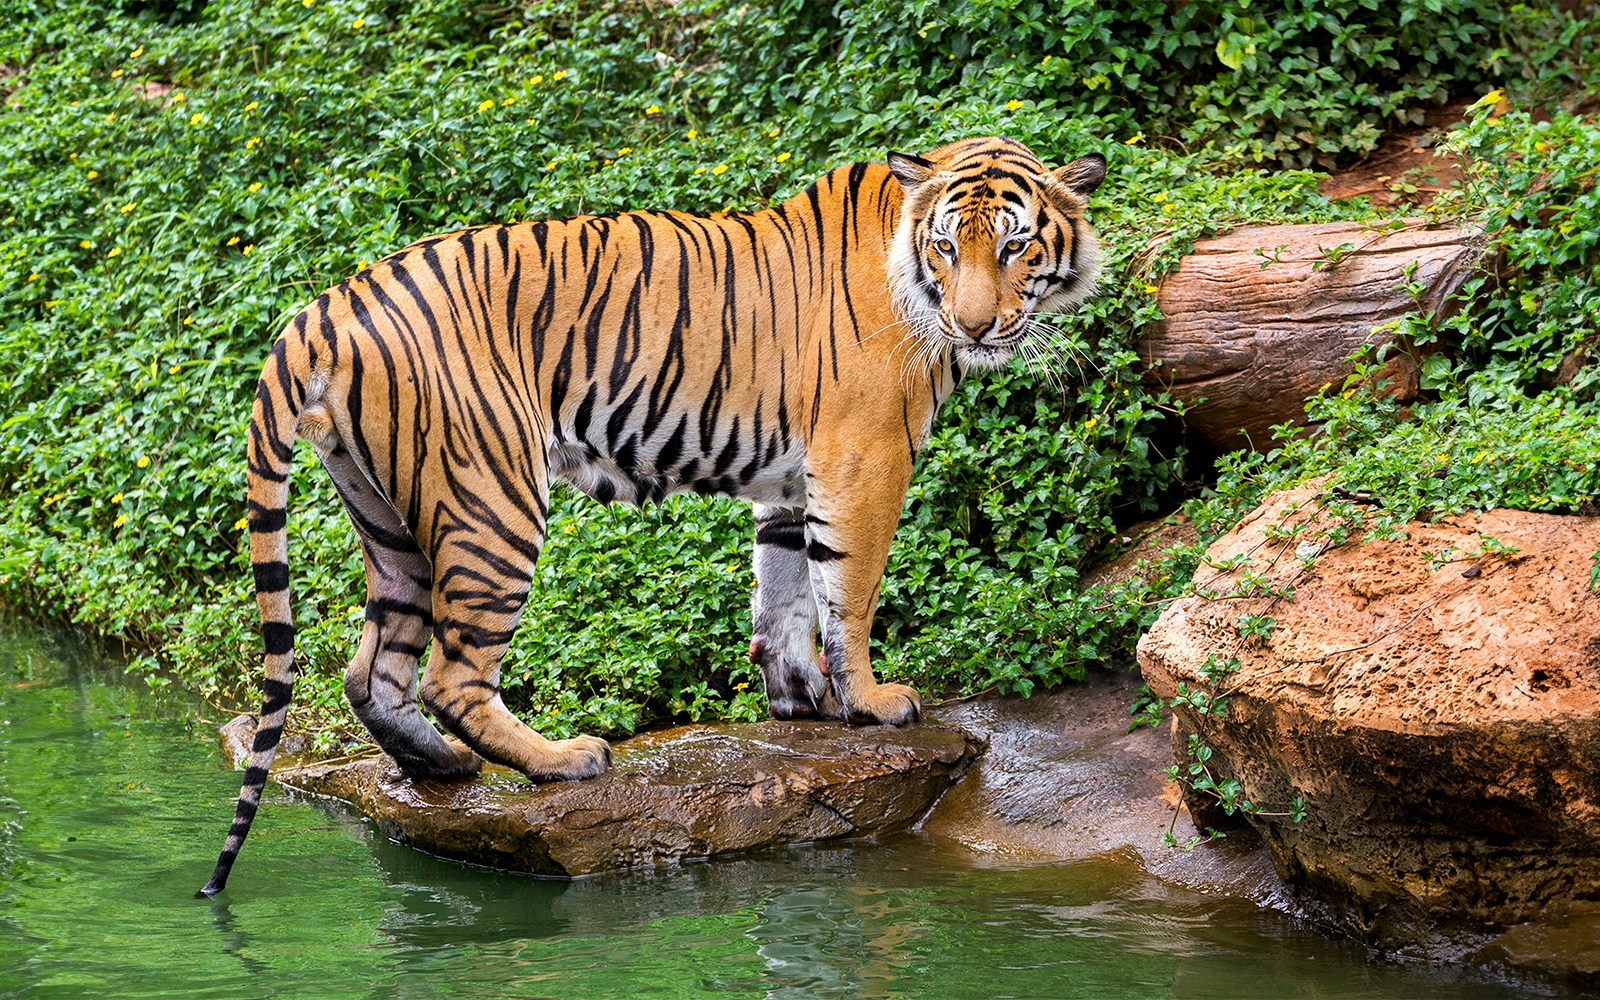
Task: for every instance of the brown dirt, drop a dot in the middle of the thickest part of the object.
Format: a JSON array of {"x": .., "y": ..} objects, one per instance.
[{"x": 1405, "y": 170}]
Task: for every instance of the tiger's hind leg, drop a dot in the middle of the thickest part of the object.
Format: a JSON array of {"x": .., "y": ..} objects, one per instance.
[
  {"x": 381, "y": 680},
  {"x": 482, "y": 572},
  {"x": 784, "y": 619}
]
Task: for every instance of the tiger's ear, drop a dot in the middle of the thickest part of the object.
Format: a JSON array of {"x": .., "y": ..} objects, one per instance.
[
  {"x": 910, "y": 168},
  {"x": 1082, "y": 175}
]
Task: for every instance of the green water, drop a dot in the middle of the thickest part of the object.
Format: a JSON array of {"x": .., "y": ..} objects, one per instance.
[{"x": 112, "y": 808}]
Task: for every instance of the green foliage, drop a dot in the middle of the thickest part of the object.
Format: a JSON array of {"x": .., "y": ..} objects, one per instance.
[{"x": 175, "y": 183}]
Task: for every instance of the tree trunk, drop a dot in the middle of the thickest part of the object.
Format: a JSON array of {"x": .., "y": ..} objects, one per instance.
[{"x": 1261, "y": 319}]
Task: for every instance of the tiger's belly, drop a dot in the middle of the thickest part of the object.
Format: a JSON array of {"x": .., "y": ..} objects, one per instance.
[{"x": 777, "y": 477}]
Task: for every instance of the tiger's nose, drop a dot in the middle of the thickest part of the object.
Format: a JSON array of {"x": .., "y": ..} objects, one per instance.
[{"x": 975, "y": 330}]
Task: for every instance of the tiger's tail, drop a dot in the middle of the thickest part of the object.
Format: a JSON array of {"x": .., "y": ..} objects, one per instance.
[{"x": 273, "y": 419}]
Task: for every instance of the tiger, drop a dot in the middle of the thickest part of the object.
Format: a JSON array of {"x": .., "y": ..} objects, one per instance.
[{"x": 794, "y": 357}]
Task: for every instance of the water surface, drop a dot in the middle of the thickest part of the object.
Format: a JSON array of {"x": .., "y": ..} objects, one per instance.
[{"x": 112, "y": 807}]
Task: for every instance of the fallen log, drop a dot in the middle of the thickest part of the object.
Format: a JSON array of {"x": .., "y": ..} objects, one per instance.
[{"x": 1259, "y": 320}]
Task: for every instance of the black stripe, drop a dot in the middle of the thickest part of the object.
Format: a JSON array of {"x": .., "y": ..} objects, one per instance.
[
  {"x": 278, "y": 637},
  {"x": 271, "y": 577},
  {"x": 783, "y": 534},
  {"x": 818, "y": 551}
]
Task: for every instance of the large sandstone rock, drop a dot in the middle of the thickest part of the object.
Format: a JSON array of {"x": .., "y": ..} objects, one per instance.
[
  {"x": 688, "y": 792},
  {"x": 1437, "y": 704},
  {"x": 1258, "y": 320}
]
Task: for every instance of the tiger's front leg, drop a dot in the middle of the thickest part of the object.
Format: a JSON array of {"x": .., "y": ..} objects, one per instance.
[
  {"x": 853, "y": 502},
  {"x": 784, "y": 619}
]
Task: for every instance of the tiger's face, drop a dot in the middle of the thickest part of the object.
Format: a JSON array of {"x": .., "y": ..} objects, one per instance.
[{"x": 990, "y": 239}]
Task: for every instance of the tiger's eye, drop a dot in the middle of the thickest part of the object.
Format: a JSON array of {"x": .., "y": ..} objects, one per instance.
[
  {"x": 945, "y": 246},
  {"x": 1016, "y": 245}
]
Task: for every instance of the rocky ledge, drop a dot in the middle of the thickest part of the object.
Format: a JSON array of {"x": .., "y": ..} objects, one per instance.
[
  {"x": 682, "y": 793},
  {"x": 1434, "y": 697}
]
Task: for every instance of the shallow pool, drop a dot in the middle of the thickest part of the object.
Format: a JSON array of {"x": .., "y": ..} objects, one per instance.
[{"x": 112, "y": 807}]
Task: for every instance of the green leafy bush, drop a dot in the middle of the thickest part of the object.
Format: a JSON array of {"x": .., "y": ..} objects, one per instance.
[{"x": 176, "y": 180}]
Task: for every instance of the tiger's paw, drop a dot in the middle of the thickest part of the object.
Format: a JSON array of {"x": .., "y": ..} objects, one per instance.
[
  {"x": 449, "y": 761},
  {"x": 572, "y": 760},
  {"x": 884, "y": 704}
]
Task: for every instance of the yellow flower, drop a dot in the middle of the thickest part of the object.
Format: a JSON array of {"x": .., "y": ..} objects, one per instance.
[
  {"x": 1090, "y": 423},
  {"x": 485, "y": 105},
  {"x": 241, "y": 524},
  {"x": 116, "y": 498},
  {"x": 1151, "y": 289},
  {"x": 693, "y": 133},
  {"x": 196, "y": 118},
  {"x": 783, "y": 157},
  {"x": 1541, "y": 147},
  {"x": 178, "y": 97},
  {"x": 742, "y": 686},
  {"x": 625, "y": 150},
  {"x": 251, "y": 141},
  {"x": 93, "y": 174},
  {"x": 248, "y": 247},
  {"x": 551, "y": 165},
  {"x": 252, "y": 105},
  {"x": 720, "y": 168},
  {"x": 130, "y": 206},
  {"x": 52, "y": 303},
  {"x": 114, "y": 251},
  {"x": 559, "y": 74},
  {"x": 307, "y": 3},
  {"x": 85, "y": 245},
  {"x": 175, "y": 369},
  {"x": 508, "y": 102},
  {"x": 233, "y": 241},
  {"x": 700, "y": 169},
  {"x": 538, "y": 78},
  {"x": 358, "y": 23},
  {"x": 774, "y": 133},
  {"x": 136, "y": 53},
  {"x": 1013, "y": 104},
  {"x": 1045, "y": 61},
  {"x": 143, "y": 462},
  {"x": 1134, "y": 139},
  {"x": 34, "y": 276},
  {"x": 253, "y": 188},
  {"x": 1441, "y": 457},
  {"x": 654, "y": 109},
  {"x": 187, "y": 321},
  {"x": 1159, "y": 196},
  {"x": 570, "y": 529},
  {"x": 361, "y": 265},
  {"x": 116, "y": 73},
  {"x": 120, "y": 521}
]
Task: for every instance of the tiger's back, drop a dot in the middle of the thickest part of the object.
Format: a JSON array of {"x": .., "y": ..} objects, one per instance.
[{"x": 769, "y": 355}]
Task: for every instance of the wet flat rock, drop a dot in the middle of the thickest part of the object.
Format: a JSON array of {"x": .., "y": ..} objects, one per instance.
[{"x": 682, "y": 793}]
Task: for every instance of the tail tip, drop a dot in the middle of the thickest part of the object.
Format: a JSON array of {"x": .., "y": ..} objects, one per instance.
[{"x": 218, "y": 882}]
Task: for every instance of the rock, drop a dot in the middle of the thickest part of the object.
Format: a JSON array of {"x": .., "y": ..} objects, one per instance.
[
  {"x": 1065, "y": 779},
  {"x": 1245, "y": 345},
  {"x": 1435, "y": 699},
  {"x": 674, "y": 795}
]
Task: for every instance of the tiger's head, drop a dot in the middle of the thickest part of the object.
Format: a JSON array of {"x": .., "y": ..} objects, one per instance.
[{"x": 990, "y": 238}]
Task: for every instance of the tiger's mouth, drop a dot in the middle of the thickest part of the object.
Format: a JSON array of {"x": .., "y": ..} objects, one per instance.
[{"x": 992, "y": 350}]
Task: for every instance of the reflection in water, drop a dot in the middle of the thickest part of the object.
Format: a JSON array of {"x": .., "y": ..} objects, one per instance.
[
  {"x": 108, "y": 812},
  {"x": 234, "y": 941}
]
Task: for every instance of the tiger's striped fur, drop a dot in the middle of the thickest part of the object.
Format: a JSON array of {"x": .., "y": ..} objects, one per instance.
[{"x": 794, "y": 357}]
